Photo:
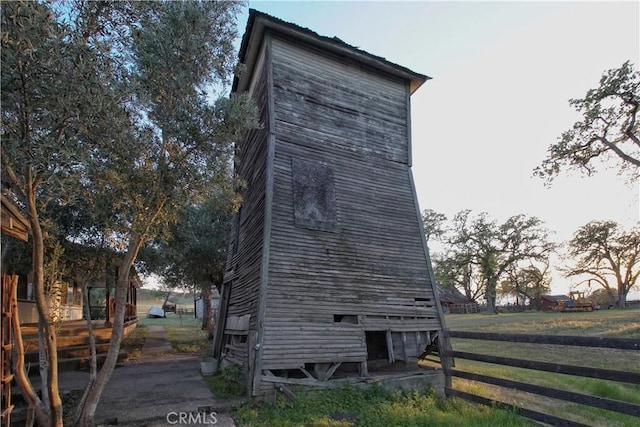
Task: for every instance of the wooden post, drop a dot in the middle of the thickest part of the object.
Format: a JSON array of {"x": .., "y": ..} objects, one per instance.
[
  {"x": 107, "y": 310},
  {"x": 7, "y": 347},
  {"x": 444, "y": 350}
]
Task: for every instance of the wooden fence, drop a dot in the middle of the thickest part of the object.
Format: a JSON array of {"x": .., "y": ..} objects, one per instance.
[{"x": 448, "y": 355}]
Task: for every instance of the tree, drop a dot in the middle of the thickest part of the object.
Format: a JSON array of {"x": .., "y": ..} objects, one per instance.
[
  {"x": 180, "y": 143},
  {"x": 433, "y": 224},
  {"x": 608, "y": 128},
  {"x": 110, "y": 102},
  {"x": 52, "y": 76},
  {"x": 454, "y": 269},
  {"x": 195, "y": 253},
  {"x": 488, "y": 249},
  {"x": 529, "y": 282},
  {"x": 602, "y": 250}
]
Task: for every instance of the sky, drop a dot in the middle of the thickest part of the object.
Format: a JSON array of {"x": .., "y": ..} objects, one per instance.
[{"x": 502, "y": 74}]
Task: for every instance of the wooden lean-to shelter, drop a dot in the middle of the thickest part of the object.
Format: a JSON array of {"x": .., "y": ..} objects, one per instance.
[{"x": 328, "y": 276}]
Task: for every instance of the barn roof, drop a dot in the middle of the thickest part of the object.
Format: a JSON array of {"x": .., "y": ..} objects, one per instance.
[
  {"x": 259, "y": 22},
  {"x": 13, "y": 222},
  {"x": 451, "y": 296}
]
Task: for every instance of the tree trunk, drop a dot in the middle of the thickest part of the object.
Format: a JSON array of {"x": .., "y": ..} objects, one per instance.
[
  {"x": 491, "y": 296},
  {"x": 195, "y": 304},
  {"x": 42, "y": 365},
  {"x": 622, "y": 295},
  {"x": 87, "y": 414},
  {"x": 206, "y": 311},
  {"x": 26, "y": 389},
  {"x": 44, "y": 312},
  {"x": 93, "y": 363},
  {"x": 166, "y": 298}
]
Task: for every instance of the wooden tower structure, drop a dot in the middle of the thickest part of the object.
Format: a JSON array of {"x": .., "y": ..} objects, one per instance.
[{"x": 328, "y": 276}]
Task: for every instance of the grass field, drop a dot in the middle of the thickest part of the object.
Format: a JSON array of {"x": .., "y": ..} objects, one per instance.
[
  {"x": 185, "y": 333},
  {"x": 608, "y": 323}
]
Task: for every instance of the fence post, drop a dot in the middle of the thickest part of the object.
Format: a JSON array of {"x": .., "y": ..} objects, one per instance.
[{"x": 444, "y": 350}]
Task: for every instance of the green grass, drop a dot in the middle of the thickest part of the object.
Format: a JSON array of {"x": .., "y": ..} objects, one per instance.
[
  {"x": 228, "y": 383},
  {"x": 609, "y": 323},
  {"x": 133, "y": 342},
  {"x": 184, "y": 333},
  {"x": 373, "y": 406},
  {"x": 605, "y": 323}
]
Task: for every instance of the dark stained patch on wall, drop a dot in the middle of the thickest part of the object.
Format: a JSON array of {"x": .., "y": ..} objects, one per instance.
[{"x": 314, "y": 195}]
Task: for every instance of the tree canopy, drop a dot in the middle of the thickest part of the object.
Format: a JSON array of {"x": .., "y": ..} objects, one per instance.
[
  {"x": 527, "y": 282},
  {"x": 602, "y": 250},
  {"x": 608, "y": 129},
  {"x": 479, "y": 251},
  {"x": 110, "y": 111}
]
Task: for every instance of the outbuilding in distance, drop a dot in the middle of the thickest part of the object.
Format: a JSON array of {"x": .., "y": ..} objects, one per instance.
[{"x": 328, "y": 277}]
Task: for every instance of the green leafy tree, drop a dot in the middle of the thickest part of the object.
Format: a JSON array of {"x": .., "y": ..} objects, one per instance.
[
  {"x": 608, "y": 128},
  {"x": 601, "y": 251},
  {"x": 528, "y": 282},
  {"x": 111, "y": 103},
  {"x": 195, "y": 253},
  {"x": 433, "y": 224},
  {"x": 489, "y": 249},
  {"x": 455, "y": 269},
  {"x": 181, "y": 143},
  {"x": 55, "y": 96}
]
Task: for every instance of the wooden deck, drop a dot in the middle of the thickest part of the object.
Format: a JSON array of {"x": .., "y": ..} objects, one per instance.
[{"x": 73, "y": 343}]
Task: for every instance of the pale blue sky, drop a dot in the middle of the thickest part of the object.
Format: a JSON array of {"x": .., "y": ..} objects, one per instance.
[{"x": 502, "y": 75}]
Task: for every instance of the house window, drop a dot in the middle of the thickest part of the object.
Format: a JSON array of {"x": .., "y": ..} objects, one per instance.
[{"x": 25, "y": 289}]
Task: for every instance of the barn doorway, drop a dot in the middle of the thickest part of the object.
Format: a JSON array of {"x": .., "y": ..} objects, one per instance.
[{"x": 377, "y": 346}]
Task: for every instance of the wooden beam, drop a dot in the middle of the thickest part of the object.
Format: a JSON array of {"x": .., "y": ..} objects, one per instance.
[
  {"x": 580, "y": 341},
  {"x": 266, "y": 51},
  {"x": 580, "y": 371},
  {"x": 392, "y": 357},
  {"x": 597, "y": 402},
  {"x": 332, "y": 371},
  {"x": 287, "y": 392}
]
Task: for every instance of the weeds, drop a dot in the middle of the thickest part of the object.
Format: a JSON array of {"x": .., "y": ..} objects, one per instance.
[
  {"x": 227, "y": 383},
  {"x": 371, "y": 407},
  {"x": 133, "y": 342}
]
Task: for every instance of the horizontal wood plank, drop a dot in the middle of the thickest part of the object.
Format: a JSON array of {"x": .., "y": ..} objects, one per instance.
[
  {"x": 581, "y": 371},
  {"x": 584, "y": 399},
  {"x": 572, "y": 340}
]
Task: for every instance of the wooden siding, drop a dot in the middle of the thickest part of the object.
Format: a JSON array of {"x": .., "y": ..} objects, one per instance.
[
  {"x": 363, "y": 113},
  {"x": 244, "y": 263},
  {"x": 293, "y": 345},
  {"x": 373, "y": 263}
]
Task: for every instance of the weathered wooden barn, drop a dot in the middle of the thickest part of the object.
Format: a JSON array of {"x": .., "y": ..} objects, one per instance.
[
  {"x": 328, "y": 276},
  {"x": 454, "y": 301}
]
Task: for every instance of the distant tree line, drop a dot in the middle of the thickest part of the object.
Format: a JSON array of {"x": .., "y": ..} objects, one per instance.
[{"x": 485, "y": 259}]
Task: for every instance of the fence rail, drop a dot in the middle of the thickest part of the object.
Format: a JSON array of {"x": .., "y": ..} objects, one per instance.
[{"x": 448, "y": 355}]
